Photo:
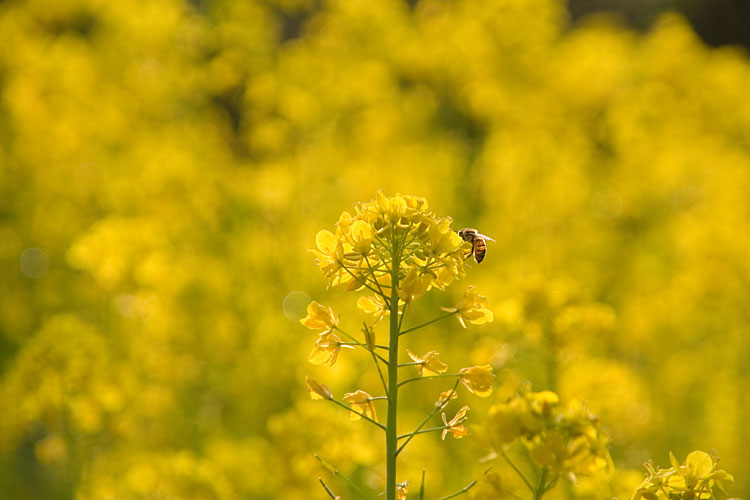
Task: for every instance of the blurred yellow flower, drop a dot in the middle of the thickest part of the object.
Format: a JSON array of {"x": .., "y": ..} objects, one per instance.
[
  {"x": 317, "y": 390},
  {"x": 455, "y": 425},
  {"x": 326, "y": 349},
  {"x": 471, "y": 308},
  {"x": 319, "y": 317},
  {"x": 428, "y": 363},
  {"x": 478, "y": 379},
  {"x": 502, "y": 425},
  {"x": 562, "y": 439},
  {"x": 361, "y": 402}
]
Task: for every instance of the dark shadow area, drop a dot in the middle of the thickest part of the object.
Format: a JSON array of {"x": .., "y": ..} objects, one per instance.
[{"x": 717, "y": 22}]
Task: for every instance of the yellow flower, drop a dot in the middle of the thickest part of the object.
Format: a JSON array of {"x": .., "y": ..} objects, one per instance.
[
  {"x": 478, "y": 379},
  {"x": 414, "y": 285},
  {"x": 366, "y": 244},
  {"x": 502, "y": 424},
  {"x": 362, "y": 403},
  {"x": 401, "y": 490},
  {"x": 326, "y": 349},
  {"x": 317, "y": 391},
  {"x": 360, "y": 236},
  {"x": 446, "y": 396},
  {"x": 319, "y": 317},
  {"x": 429, "y": 364},
  {"x": 455, "y": 426},
  {"x": 693, "y": 480},
  {"x": 471, "y": 308},
  {"x": 374, "y": 305},
  {"x": 329, "y": 255}
]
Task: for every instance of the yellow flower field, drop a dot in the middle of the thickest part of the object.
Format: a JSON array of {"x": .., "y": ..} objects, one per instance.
[{"x": 196, "y": 201}]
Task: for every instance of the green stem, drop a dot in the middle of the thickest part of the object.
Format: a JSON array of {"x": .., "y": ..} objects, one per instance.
[
  {"x": 380, "y": 372},
  {"x": 421, "y": 488},
  {"x": 518, "y": 471},
  {"x": 416, "y": 379},
  {"x": 361, "y": 414},
  {"x": 461, "y": 491},
  {"x": 360, "y": 281},
  {"x": 423, "y": 431},
  {"x": 377, "y": 283},
  {"x": 333, "y": 470},
  {"x": 360, "y": 344},
  {"x": 541, "y": 485},
  {"x": 403, "y": 314},
  {"x": 426, "y": 419},
  {"x": 328, "y": 490},
  {"x": 428, "y": 323},
  {"x": 391, "y": 436}
]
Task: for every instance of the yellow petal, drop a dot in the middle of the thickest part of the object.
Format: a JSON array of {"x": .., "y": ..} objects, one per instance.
[
  {"x": 317, "y": 390},
  {"x": 325, "y": 241},
  {"x": 699, "y": 463},
  {"x": 370, "y": 305}
]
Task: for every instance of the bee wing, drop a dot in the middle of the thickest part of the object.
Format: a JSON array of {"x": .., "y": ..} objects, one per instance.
[{"x": 486, "y": 237}]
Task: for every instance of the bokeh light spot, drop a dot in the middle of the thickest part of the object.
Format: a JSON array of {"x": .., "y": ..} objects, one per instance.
[
  {"x": 606, "y": 204},
  {"x": 34, "y": 262},
  {"x": 295, "y": 305},
  {"x": 126, "y": 305}
]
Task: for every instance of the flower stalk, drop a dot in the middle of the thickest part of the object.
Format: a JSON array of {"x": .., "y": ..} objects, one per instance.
[
  {"x": 391, "y": 436},
  {"x": 398, "y": 251}
]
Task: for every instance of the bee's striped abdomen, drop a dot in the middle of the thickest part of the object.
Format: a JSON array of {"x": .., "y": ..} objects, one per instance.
[{"x": 480, "y": 248}]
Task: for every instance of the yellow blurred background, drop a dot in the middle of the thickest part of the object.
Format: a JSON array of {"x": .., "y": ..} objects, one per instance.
[{"x": 164, "y": 165}]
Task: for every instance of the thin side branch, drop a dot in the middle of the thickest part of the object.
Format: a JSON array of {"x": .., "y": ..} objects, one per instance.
[
  {"x": 463, "y": 490},
  {"x": 438, "y": 408},
  {"x": 359, "y": 413},
  {"x": 333, "y": 470},
  {"x": 428, "y": 323}
]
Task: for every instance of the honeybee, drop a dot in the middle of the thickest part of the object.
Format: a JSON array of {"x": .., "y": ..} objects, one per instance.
[{"x": 477, "y": 240}]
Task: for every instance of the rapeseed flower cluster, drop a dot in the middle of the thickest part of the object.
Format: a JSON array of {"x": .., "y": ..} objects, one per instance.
[
  {"x": 693, "y": 480},
  {"x": 394, "y": 248},
  {"x": 563, "y": 440},
  {"x": 391, "y": 235}
]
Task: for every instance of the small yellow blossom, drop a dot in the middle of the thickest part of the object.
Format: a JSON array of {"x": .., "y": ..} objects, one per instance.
[
  {"x": 414, "y": 285},
  {"x": 362, "y": 403},
  {"x": 360, "y": 236},
  {"x": 478, "y": 379},
  {"x": 401, "y": 490},
  {"x": 446, "y": 396},
  {"x": 319, "y": 317},
  {"x": 455, "y": 425},
  {"x": 428, "y": 363},
  {"x": 374, "y": 305},
  {"x": 326, "y": 349},
  {"x": 693, "y": 480},
  {"x": 329, "y": 255},
  {"x": 471, "y": 308},
  {"x": 317, "y": 390}
]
